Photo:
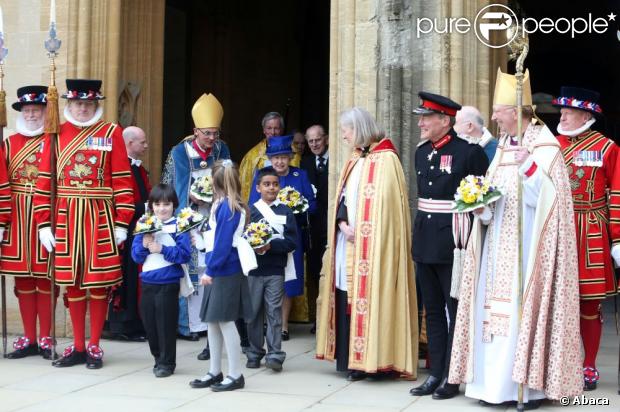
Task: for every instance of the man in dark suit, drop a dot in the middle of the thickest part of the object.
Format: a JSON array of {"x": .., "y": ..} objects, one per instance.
[
  {"x": 124, "y": 321},
  {"x": 316, "y": 164}
]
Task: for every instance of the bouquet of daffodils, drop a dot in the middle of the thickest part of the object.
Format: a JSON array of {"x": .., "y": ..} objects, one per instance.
[
  {"x": 148, "y": 223},
  {"x": 258, "y": 234},
  {"x": 202, "y": 189},
  {"x": 293, "y": 199},
  {"x": 475, "y": 192},
  {"x": 188, "y": 219}
]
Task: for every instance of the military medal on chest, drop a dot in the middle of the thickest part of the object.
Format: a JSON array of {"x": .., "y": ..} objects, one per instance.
[
  {"x": 203, "y": 164},
  {"x": 445, "y": 163}
]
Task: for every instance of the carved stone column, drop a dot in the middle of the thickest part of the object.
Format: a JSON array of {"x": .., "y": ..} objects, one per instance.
[
  {"x": 379, "y": 62},
  {"x": 142, "y": 72},
  {"x": 93, "y": 46}
]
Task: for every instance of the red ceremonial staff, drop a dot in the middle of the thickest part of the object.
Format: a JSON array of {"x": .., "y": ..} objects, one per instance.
[
  {"x": 3, "y": 123},
  {"x": 52, "y": 127}
]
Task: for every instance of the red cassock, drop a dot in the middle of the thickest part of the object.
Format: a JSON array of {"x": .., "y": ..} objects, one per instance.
[
  {"x": 94, "y": 195},
  {"x": 593, "y": 166},
  {"x": 22, "y": 254}
]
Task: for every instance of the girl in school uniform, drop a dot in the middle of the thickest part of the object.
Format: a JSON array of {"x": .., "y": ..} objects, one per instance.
[
  {"x": 161, "y": 255},
  {"x": 226, "y": 295}
]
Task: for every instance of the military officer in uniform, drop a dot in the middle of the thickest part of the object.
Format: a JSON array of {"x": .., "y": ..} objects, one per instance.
[
  {"x": 93, "y": 208},
  {"x": 441, "y": 161},
  {"x": 593, "y": 164}
]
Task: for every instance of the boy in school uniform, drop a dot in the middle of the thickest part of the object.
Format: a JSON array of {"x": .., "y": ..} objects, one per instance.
[{"x": 266, "y": 283}]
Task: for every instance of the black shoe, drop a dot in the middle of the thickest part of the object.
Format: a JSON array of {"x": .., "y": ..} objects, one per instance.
[
  {"x": 589, "y": 386},
  {"x": 137, "y": 337},
  {"x": 382, "y": 376},
  {"x": 29, "y": 350},
  {"x": 428, "y": 387},
  {"x": 533, "y": 404},
  {"x": 355, "y": 376},
  {"x": 205, "y": 354},
  {"x": 94, "y": 356},
  {"x": 238, "y": 383},
  {"x": 71, "y": 359},
  {"x": 93, "y": 363},
  {"x": 199, "y": 383},
  {"x": 46, "y": 353},
  {"x": 487, "y": 404},
  {"x": 192, "y": 337},
  {"x": 162, "y": 372},
  {"x": 313, "y": 329},
  {"x": 285, "y": 335},
  {"x": 253, "y": 364},
  {"x": 446, "y": 390},
  {"x": 273, "y": 364}
]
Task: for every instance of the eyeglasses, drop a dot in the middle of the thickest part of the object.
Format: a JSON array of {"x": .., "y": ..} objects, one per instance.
[{"x": 209, "y": 133}]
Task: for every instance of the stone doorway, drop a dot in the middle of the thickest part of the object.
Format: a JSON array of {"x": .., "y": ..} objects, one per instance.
[{"x": 255, "y": 57}]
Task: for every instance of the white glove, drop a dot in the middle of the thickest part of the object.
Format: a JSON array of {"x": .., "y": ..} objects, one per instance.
[
  {"x": 199, "y": 242},
  {"x": 120, "y": 235},
  {"x": 615, "y": 253},
  {"x": 47, "y": 239},
  {"x": 486, "y": 215}
]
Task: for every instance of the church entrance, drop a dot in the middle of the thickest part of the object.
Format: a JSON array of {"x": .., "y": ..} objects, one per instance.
[{"x": 255, "y": 57}]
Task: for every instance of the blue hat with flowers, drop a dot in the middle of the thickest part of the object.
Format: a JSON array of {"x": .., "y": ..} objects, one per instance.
[{"x": 277, "y": 145}]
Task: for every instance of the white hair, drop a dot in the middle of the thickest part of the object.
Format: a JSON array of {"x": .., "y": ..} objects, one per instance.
[{"x": 365, "y": 129}]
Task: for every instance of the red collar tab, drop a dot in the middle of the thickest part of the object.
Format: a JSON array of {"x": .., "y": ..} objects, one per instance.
[
  {"x": 442, "y": 142},
  {"x": 436, "y": 107},
  {"x": 203, "y": 153}
]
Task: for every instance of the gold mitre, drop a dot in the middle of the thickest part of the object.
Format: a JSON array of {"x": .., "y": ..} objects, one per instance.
[
  {"x": 506, "y": 89},
  {"x": 207, "y": 112}
]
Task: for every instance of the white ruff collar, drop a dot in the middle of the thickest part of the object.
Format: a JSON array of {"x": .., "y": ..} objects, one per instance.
[
  {"x": 20, "y": 126},
  {"x": 576, "y": 132},
  {"x": 91, "y": 122}
]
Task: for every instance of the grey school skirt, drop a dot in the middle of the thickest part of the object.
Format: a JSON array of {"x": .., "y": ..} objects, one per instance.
[{"x": 227, "y": 298}]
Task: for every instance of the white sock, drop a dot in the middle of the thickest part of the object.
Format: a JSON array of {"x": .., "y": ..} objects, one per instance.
[
  {"x": 215, "y": 345},
  {"x": 232, "y": 342}
]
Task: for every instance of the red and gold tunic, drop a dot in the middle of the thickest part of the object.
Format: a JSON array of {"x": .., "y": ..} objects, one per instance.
[
  {"x": 22, "y": 254},
  {"x": 94, "y": 195},
  {"x": 594, "y": 171}
]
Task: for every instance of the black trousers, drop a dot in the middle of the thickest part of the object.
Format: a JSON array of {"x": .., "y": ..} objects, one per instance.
[
  {"x": 343, "y": 330},
  {"x": 159, "y": 308},
  {"x": 314, "y": 262},
  {"x": 435, "y": 280}
]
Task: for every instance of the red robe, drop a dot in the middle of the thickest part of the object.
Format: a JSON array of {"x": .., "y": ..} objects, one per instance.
[
  {"x": 597, "y": 211},
  {"x": 94, "y": 195},
  {"x": 22, "y": 254}
]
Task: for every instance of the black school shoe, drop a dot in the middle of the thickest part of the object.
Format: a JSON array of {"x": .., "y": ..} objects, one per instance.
[
  {"x": 205, "y": 383},
  {"x": 192, "y": 337},
  {"x": 273, "y": 364},
  {"x": 160, "y": 372},
  {"x": 238, "y": 383},
  {"x": 70, "y": 357},
  {"x": 205, "y": 354}
]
